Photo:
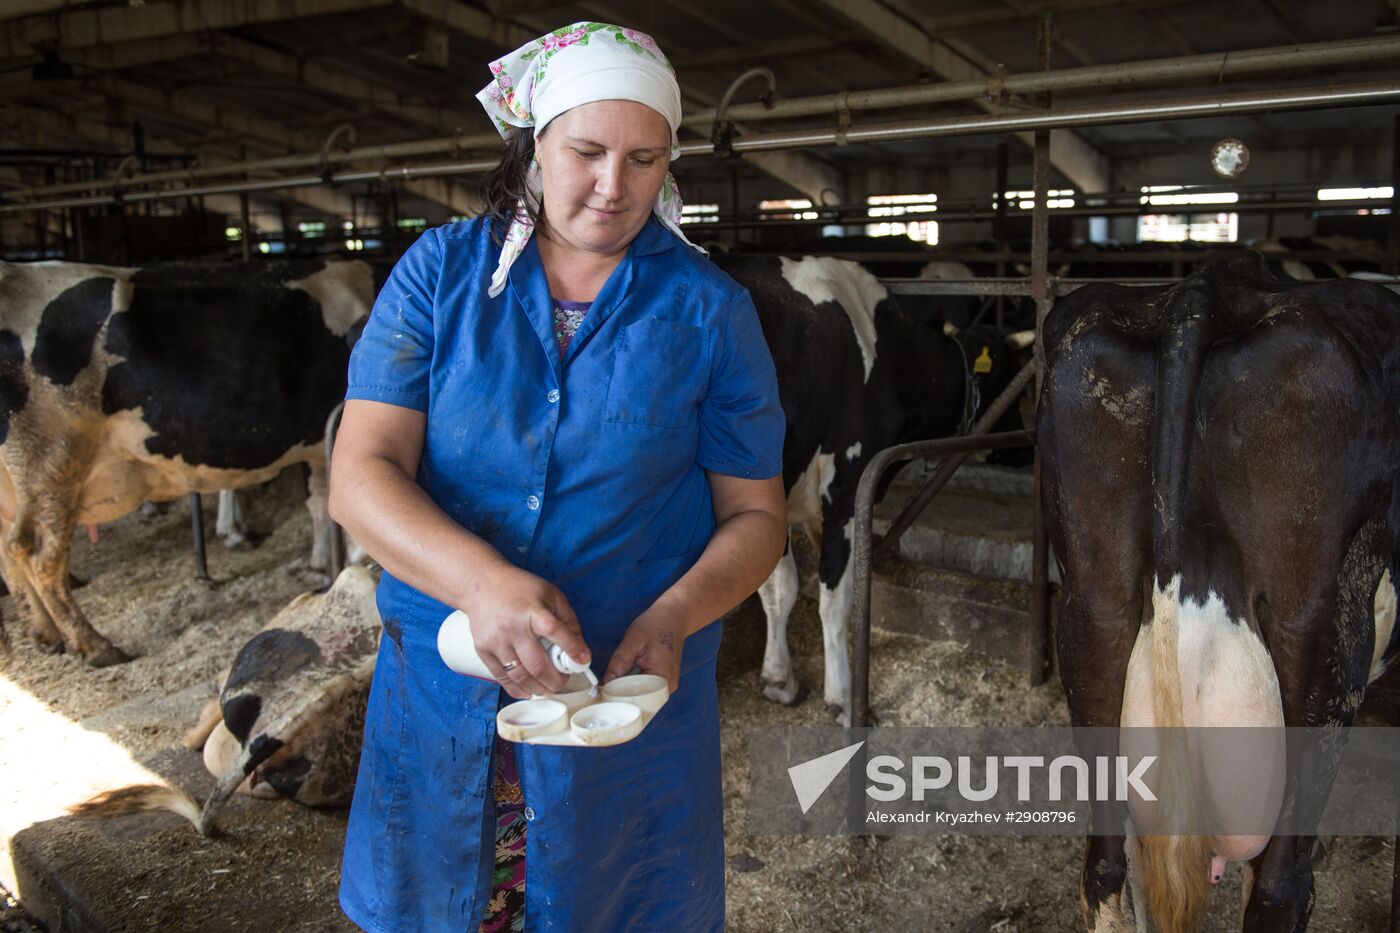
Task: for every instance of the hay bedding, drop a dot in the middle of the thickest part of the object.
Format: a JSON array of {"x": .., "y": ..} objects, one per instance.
[{"x": 142, "y": 594}]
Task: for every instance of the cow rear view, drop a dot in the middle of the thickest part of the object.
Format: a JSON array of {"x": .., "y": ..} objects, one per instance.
[{"x": 1220, "y": 462}]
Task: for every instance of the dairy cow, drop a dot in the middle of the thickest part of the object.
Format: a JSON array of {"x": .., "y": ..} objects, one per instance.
[
  {"x": 1222, "y": 479},
  {"x": 290, "y": 710},
  {"x": 855, "y": 375},
  {"x": 122, "y": 385}
]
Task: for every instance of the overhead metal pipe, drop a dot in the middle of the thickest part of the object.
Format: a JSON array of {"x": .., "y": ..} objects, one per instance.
[
  {"x": 1218, "y": 66},
  {"x": 1134, "y": 74},
  {"x": 457, "y": 143},
  {"x": 1176, "y": 109},
  {"x": 1251, "y": 102}
]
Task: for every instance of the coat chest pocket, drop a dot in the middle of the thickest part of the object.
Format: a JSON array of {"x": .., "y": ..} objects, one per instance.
[{"x": 660, "y": 373}]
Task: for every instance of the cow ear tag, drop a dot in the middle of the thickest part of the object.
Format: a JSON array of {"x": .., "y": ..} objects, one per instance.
[{"x": 983, "y": 363}]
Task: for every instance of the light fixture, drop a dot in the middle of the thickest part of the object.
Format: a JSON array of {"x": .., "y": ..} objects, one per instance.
[{"x": 1229, "y": 157}]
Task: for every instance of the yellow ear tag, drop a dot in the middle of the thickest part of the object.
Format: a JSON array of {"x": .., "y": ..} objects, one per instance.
[{"x": 983, "y": 363}]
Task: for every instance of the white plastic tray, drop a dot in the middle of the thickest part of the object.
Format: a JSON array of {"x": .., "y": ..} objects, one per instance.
[{"x": 653, "y": 693}]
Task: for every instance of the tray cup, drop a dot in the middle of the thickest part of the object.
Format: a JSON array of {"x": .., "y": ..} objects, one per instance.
[
  {"x": 606, "y": 723},
  {"x": 647, "y": 691},
  {"x": 528, "y": 719}
]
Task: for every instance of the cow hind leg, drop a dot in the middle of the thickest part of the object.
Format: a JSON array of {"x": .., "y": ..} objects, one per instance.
[
  {"x": 317, "y": 503},
  {"x": 778, "y": 595},
  {"x": 230, "y": 526},
  {"x": 38, "y": 545},
  {"x": 37, "y": 623},
  {"x": 1280, "y": 898}
]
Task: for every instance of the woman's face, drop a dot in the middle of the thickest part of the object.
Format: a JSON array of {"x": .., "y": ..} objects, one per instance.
[{"x": 603, "y": 164}]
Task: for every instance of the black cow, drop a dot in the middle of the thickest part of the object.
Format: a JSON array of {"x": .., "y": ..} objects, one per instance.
[
  {"x": 855, "y": 375},
  {"x": 124, "y": 385},
  {"x": 1222, "y": 476}
]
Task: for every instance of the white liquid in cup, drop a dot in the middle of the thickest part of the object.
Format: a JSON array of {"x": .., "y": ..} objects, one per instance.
[{"x": 607, "y": 723}]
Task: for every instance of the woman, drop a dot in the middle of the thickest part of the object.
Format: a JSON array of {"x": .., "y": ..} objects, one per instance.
[{"x": 562, "y": 420}]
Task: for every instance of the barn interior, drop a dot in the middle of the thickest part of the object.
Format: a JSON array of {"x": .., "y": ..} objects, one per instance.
[{"x": 1038, "y": 143}]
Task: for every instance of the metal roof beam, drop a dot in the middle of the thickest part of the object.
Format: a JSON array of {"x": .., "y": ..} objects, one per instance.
[
  {"x": 339, "y": 83},
  {"x": 470, "y": 21},
  {"x": 78, "y": 29},
  {"x": 118, "y": 55},
  {"x": 51, "y": 122},
  {"x": 1077, "y": 160},
  {"x": 188, "y": 107}
]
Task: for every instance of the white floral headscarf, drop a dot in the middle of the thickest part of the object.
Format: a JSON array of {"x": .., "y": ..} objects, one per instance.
[{"x": 561, "y": 70}]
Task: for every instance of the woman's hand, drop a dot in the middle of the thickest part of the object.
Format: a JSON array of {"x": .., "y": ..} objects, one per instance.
[
  {"x": 653, "y": 642},
  {"x": 509, "y": 610}
]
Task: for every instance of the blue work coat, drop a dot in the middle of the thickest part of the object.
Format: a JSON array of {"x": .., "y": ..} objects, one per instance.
[{"x": 590, "y": 472}]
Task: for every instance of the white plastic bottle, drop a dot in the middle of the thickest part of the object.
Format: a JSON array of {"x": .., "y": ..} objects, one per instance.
[{"x": 458, "y": 649}]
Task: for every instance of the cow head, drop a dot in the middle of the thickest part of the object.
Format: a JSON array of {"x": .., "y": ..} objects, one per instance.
[{"x": 993, "y": 357}]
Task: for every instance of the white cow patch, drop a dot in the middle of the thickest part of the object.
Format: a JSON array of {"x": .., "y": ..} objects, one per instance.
[
  {"x": 338, "y": 289},
  {"x": 942, "y": 269},
  {"x": 822, "y": 279},
  {"x": 1385, "y": 623},
  {"x": 804, "y": 501},
  {"x": 853, "y": 451},
  {"x": 1227, "y": 678}
]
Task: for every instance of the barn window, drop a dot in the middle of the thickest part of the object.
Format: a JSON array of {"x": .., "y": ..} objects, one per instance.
[
  {"x": 312, "y": 229},
  {"x": 1354, "y": 194},
  {"x": 788, "y": 209},
  {"x": 700, "y": 214},
  {"x": 233, "y": 234},
  {"x": 898, "y": 205},
  {"x": 1205, "y": 227},
  {"x": 1025, "y": 200}
]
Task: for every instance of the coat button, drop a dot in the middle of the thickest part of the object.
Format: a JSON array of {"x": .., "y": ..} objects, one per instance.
[
  {"x": 553, "y": 395},
  {"x": 530, "y": 814},
  {"x": 532, "y": 503}
]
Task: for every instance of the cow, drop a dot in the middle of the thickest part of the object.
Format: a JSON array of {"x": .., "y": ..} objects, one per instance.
[
  {"x": 289, "y": 711},
  {"x": 121, "y": 385},
  {"x": 1222, "y": 489},
  {"x": 855, "y": 375}
]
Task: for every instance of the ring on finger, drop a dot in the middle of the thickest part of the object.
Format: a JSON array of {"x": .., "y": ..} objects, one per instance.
[{"x": 509, "y": 666}]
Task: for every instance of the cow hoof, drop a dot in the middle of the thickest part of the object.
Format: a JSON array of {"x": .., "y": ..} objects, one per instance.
[
  {"x": 790, "y": 693},
  {"x": 46, "y": 645},
  {"x": 839, "y": 713},
  {"x": 109, "y": 656}
]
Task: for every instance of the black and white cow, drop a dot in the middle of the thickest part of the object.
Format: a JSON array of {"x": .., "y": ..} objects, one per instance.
[
  {"x": 855, "y": 375},
  {"x": 124, "y": 385},
  {"x": 289, "y": 713},
  {"x": 1222, "y": 479}
]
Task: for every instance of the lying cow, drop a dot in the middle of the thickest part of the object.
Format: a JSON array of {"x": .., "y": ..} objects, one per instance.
[
  {"x": 290, "y": 712},
  {"x": 1222, "y": 480},
  {"x": 123, "y": 385},
  {"x": 855, "y": 375}
]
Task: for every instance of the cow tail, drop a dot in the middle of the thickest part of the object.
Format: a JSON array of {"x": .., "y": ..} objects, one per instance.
[
  {"x": 1176, "y": 867},
  {"x": 139, "y": 797},
  {"x": 245, "y": 764}
]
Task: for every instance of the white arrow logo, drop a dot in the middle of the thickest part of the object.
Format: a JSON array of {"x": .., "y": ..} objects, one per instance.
[{"x": 811, "y": 778}]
